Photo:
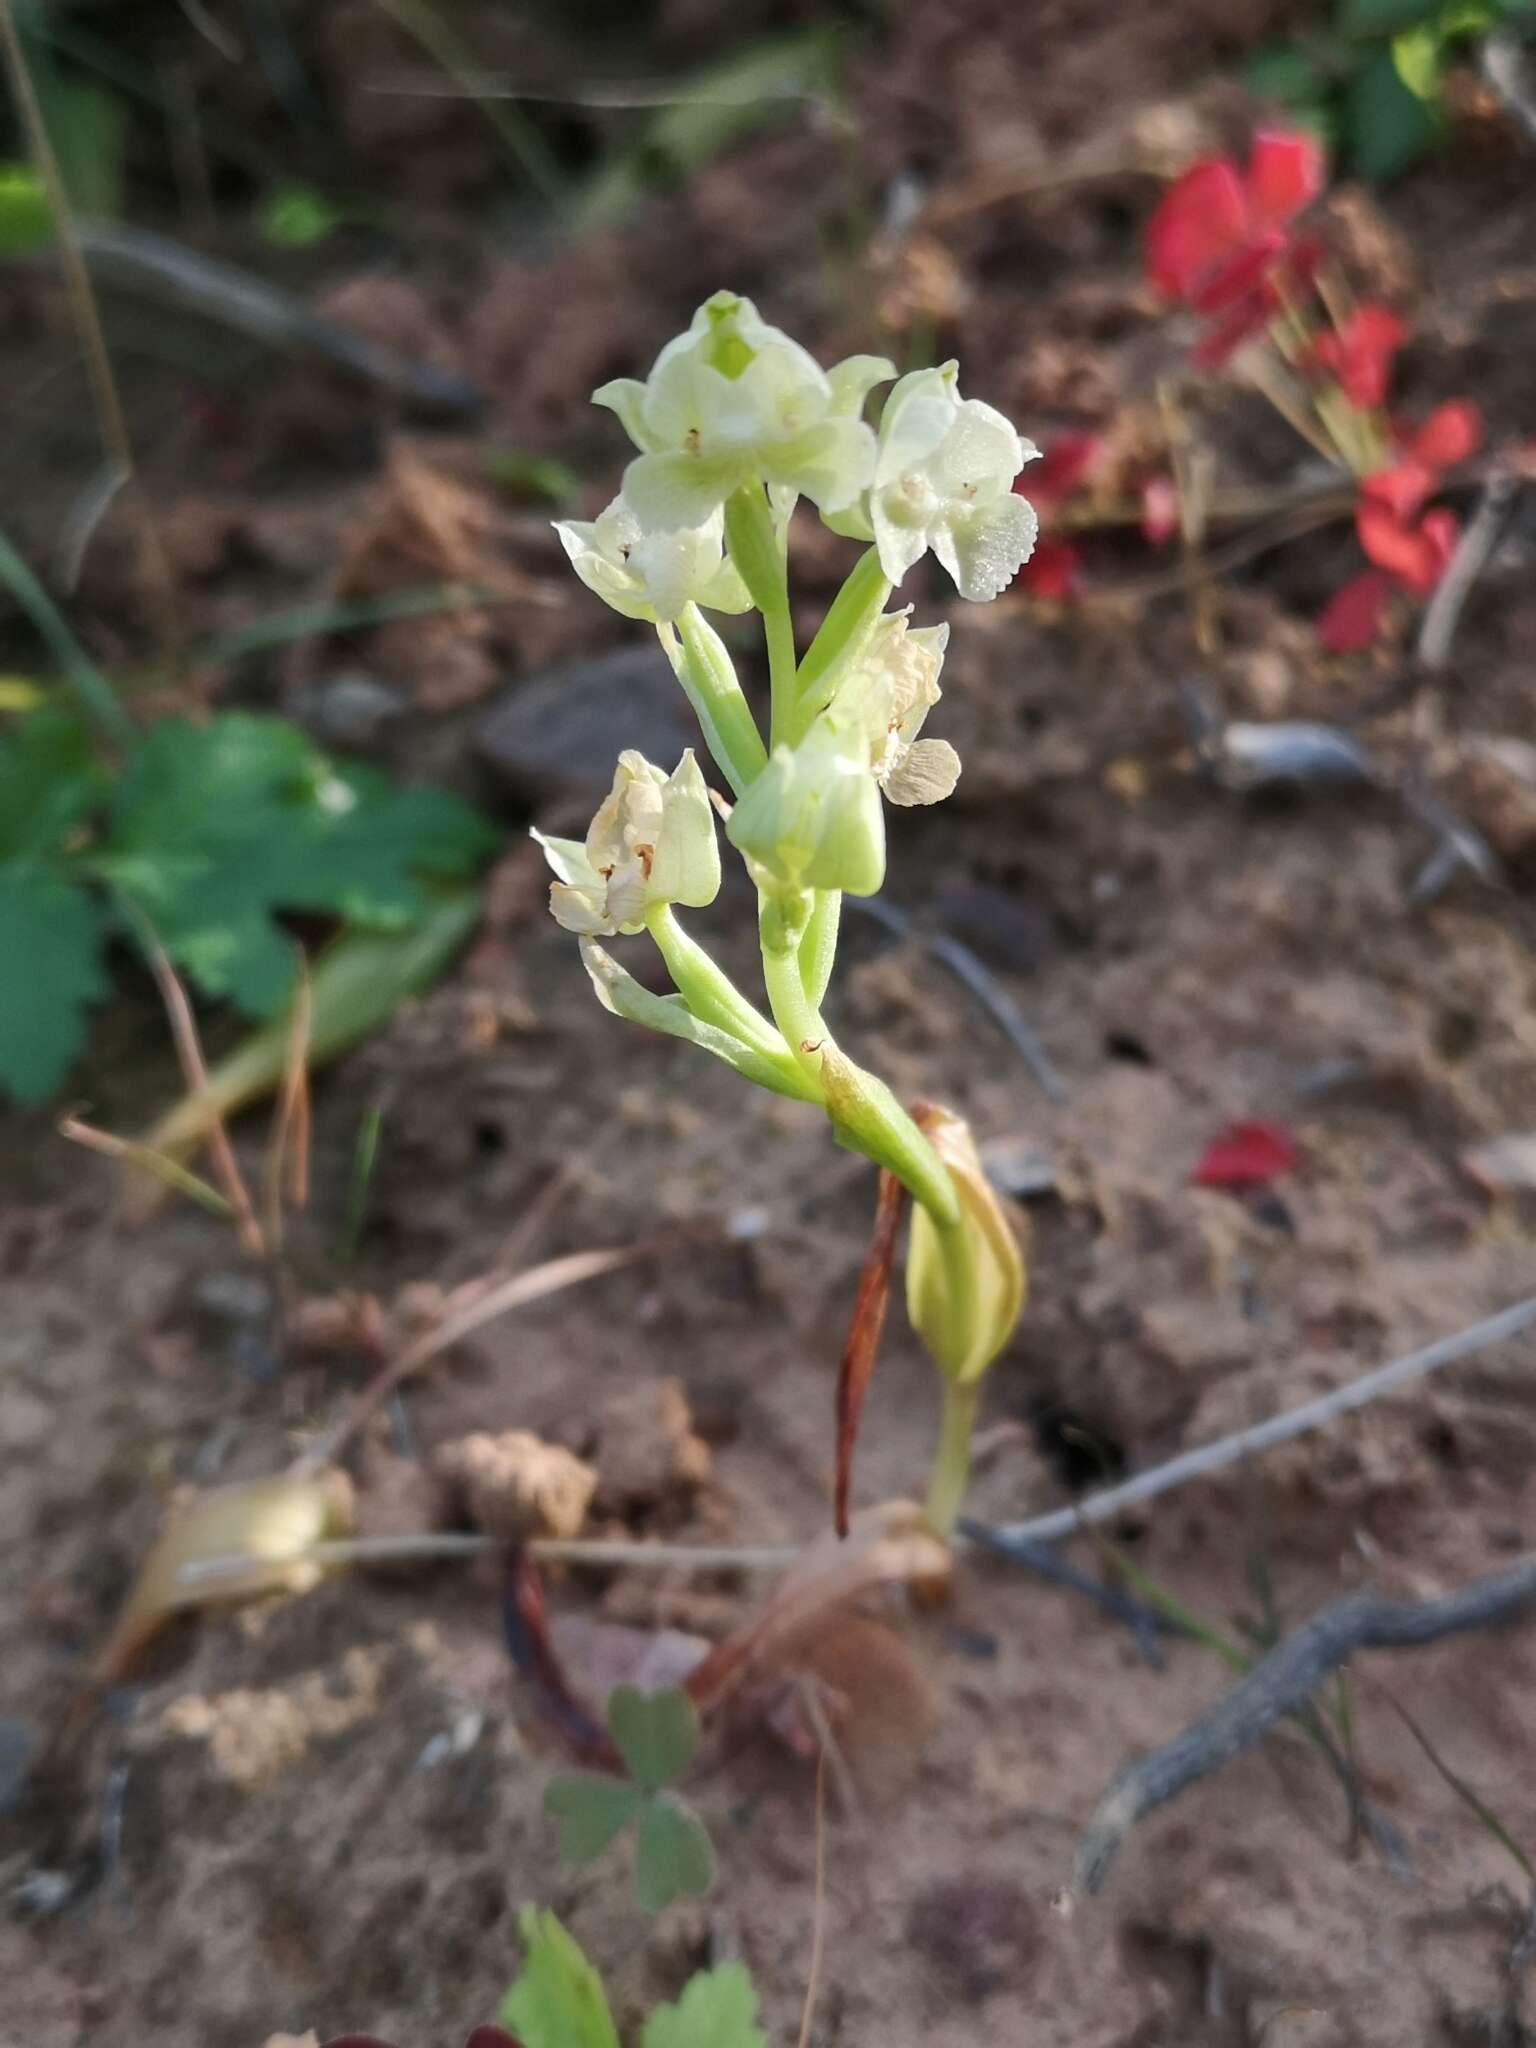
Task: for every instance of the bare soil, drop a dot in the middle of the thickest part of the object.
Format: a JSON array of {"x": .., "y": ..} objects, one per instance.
[{"x": 326, "y": 1811}]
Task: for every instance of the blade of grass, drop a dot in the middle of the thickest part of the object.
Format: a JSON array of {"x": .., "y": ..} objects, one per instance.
[
  {"x": 144, "y": 1157},
  {"x": 85, "y": 678},
  {"x": 365, "y": 1159},
  {"x": 1464, "y": 1792},
  {"x": 346, "y": 615},
  {"x": 290, "y": 1126}
]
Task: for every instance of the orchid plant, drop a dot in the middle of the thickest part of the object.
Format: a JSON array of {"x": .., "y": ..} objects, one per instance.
[{"x": 733, "y": 426}]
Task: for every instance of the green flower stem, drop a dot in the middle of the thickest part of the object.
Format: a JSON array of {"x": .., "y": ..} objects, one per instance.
[
  {"x": 707, "y": 990},
  {"x": 865, "y": 1114},
  {"x": 705, "y": 670},
  {"x": 843, "y": 631},
  {"x": 818, "y": 949},
  {"x": 758, "y": 553},
  {"x": 951, "y": 1469}
]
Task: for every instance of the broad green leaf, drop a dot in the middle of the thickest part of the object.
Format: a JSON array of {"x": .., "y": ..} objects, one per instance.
[
  {"x": 673, "y": 1858},
  {"x": 1388, "y": 127},
  {"x": 718, "y": 2009},
  {"x": 656, "y": 1733},
  {"x": 1283, "y": 73},
  {"x": 50, "y": 969},
  {"x": 217, "y": 829},
  {"x": 558, "y": 2000},
  {"x": 49, "y": 780},
  {"x": 591, "y": 1811},
  {"x": 1383, "y": 17}
]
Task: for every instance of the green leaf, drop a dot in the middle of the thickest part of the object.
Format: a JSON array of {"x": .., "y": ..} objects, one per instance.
[
  {"x": 1388, "y": 127},
  {"x": 558, "y": 2000},
  {"x": 298, "y": 217},
  {"x": 718, "y": 2009},
  {"x": 1370, "y": 18},
  {"x": 673, "y": 1858},
  {"x": 49, "y": 780},
  {"x": 26, "y": 218},
  {"x": 218, "y": 828},
  {"x": 50, "y": 969},
  {"x": 1418, "y": 56},
  {"x": 656, "y": 1733},
  {"x": 591, "y": 1810},
  {"x": 1285, "y": 74}
]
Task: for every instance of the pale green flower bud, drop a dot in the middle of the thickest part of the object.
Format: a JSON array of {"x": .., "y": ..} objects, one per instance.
[
  {"x": 653, "y": 575},
  {"x": 651, "y": 842},
  {"x": 812, "y": 819},
  {"x": 944, "y": 480},
  {"x": 735, "y": 401},
  {"x": 964, "y": 1293}
]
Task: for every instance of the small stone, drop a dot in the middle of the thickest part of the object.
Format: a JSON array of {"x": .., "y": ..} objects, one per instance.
[
  {"x": 645, "y": 1450},
  {"x": 559, "y": 734},
  {"x": 515, "y": 1485},
  {"x": 352, "y": 709}
]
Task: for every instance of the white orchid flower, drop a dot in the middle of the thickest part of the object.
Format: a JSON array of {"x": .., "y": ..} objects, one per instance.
[
  {"x": 944, "y": 480},
  {"x": 651, "y": 842},
  {"x": 886, "y": 697},
  {"x": 734, "y": 401},
  {"x": 652, "y": 575}
]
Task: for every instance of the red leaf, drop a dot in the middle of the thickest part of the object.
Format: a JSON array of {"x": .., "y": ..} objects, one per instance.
[
  {"x": 1063, "y": 466},
  {"x": 1286, "y": 171},
  {"x": 1201, "y": 219},
  {"x": 1159, "y": 510},
  {"x": 1360, "y": 354},
  {"x": 525, "y": 1623},
  {"x": 1053, "y": 571},
  {"x": 1452, "y": 432},
  {"x": 1244, "y": 1156},
  {"x": 1351, "y": 619},
  {"x": 858, "y": 1361}
]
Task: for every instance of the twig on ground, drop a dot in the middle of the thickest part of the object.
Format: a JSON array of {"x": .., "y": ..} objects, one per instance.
[
  {"x": 968, "y": 970},
  {"x": 819, "y": 1910},
  {"x": 1474, "y": 551},
  {"x": 437, "y": 1546},
  {"x": 1144, "y": 1622},
  {"x": 1205, "y": 1459},
  {"x": 147, "y": 1160},
  {"x": 1278, "y": 1685}
]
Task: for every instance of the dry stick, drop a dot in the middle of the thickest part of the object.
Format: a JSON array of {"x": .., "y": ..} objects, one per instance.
[
  {"x": 1279, "y": 1684},
  {"x": 109, "y": 412},
  {"x": 819, "y": 1921},
  {"x": 1262, "y": 1436},
  {"x": 290, "y": 1126},
  {"x": 538, "y": 1281},
  {"x": 1474, "y": 550},
  {"x": 438, "y": 1545}
]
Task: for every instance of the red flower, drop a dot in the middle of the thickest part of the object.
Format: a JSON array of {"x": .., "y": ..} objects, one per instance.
[
  {"x": 1054, "y": 570},
  {"x": 1351, "y": 619},
  {"x": 1245, "y": 1156},
  {"x": 1219, "y": 238},
  {"x": 1360, "y": 354}
]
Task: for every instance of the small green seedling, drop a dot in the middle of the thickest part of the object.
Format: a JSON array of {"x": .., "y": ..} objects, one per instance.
[
  {"x": 657, "y": 1736},
  {"x": 558, "y": 2001}
]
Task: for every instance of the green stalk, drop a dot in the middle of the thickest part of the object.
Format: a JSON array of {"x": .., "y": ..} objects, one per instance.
[
  {"x": 758, "y": 553},
  {"x": 707, "y": 990},
  {"x": 951, "y": 1469},
  {"x": 842, "y": 634},
  {"x": 818, "y": 949},
  {"x": 86, "y": 679},
  {"x": 708, "y": 677}
]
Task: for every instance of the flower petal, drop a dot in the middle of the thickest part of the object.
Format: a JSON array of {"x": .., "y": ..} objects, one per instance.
[
  {"x": 925, "y": 774},
  {"x": 1054, "y": 570},
  {"x": 1286, "y": 171},
  {"x": 1351, "y": 619},
  {"x": 680, "y": 489},
  {"x": 626, "y": 397},
  {"x": 986, "y": 551},
  {"x": 1202, "y": 217},
  {"x": 1451, "y": 433},
  {"x": 685, "y": 860}
]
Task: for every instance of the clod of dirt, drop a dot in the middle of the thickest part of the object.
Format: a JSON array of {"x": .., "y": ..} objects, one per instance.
[
  {"x": 557, "y": 735},
  {"x": 1496, "y": 792},
  {"x": 648, "y": 1459},
  {"x": 979, "y": 1934},
  {"x": 515, "y": 1484},
  {"x": 252, "y": 1735}
]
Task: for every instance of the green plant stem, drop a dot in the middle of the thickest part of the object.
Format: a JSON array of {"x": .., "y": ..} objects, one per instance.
[
  {"x": 950, "y": 1472},
  {"x": 818, "y": 949},
  {"x": 708, "y": 991},
  {"x": 758, "y": 553},
  {"x": 705, "y": 670},
  {"x": 865, "y": 1114},
  {"x": 850, "y": 618}
]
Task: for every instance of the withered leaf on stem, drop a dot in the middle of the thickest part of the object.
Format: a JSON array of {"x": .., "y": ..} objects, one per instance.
[{"x": 858, "y": 1361}]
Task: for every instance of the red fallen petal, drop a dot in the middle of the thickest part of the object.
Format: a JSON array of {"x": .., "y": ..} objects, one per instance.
[
  {"x": 1439, "y": 532},
  {"x": 1452, "y": 432},
  {"x": 1159, "y": 510},
  {"x": 1286, "y": 171},
  {"x": 1241, "y": 324},
  {"x": 1200, "y": 219},
  {"x": 1392, "y": 544},
  {"x": 1060, "y": 469},
  {"x": 1054, "y": 570},
  {"x": 1245, "y": 1156},
  {"x": 1402, "y": 488},
  {"x": 1351, "y": 619}
]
